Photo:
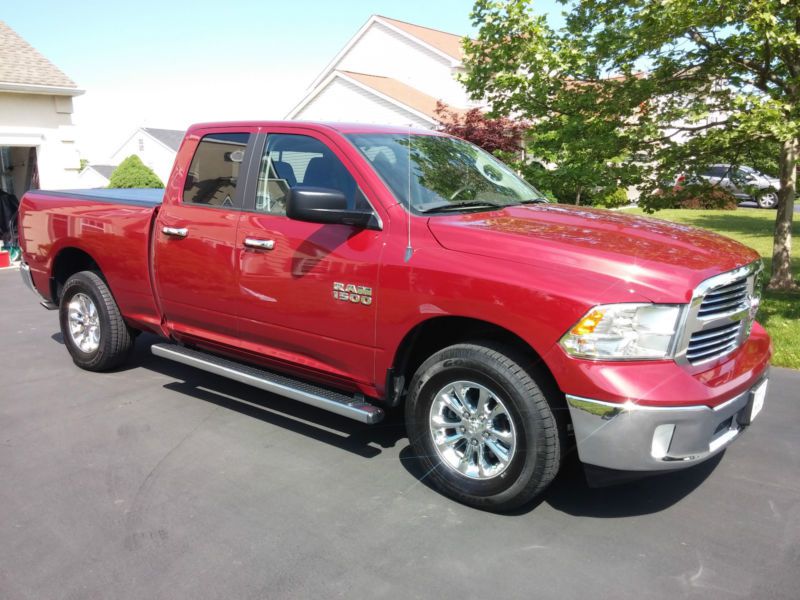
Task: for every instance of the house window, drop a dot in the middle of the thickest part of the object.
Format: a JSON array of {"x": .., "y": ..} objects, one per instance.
[{"x": 141, "y": 144}]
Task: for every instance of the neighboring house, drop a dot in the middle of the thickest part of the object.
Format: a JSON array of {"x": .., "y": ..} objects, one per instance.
[
  {"x": 390, "y": 72},
  {"x": 156, "y": 147},
  {"x": 95, "y": 176},
  {"x": 37, "y": 141}
]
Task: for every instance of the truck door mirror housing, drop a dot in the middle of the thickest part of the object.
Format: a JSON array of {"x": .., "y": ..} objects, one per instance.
[{"x": 326, "y": 205}]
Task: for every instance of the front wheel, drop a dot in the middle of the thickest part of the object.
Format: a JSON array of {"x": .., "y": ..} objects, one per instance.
[
  {"x": 482, "y": 427},
  {"x": 97, "y": 337},
  {"x": 768, "y": 199}
]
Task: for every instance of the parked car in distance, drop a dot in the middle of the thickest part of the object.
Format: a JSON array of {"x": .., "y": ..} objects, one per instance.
[
  {"x": 744, "y": 183},
  {"x": 359, "y": 267}
]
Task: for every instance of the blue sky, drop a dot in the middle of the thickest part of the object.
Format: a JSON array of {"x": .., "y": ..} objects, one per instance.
[{"x": 169, "y": 63}]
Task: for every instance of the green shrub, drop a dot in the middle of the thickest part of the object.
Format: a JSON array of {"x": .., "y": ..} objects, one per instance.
[
  {"x": 697, "y": 196},
  {"x": 133, "y": 173},
  {"x": 614, "y": 199}
]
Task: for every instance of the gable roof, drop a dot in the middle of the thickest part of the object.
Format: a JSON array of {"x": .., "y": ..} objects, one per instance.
[
  {"x": 24, "y": 69},
  {"x": 393, "y": 90},
  {"x": 104, "y": 170},
  {"x": 400, "y": 92},
  {"x": 449, "y": 43},
  {"x": 171, "y": 138},
  {"x": 446, "y": 45}
]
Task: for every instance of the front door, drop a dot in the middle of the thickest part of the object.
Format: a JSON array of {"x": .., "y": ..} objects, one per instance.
[
  {"x": 195, "y": 240},
  {"x": 307, "y": 291}
]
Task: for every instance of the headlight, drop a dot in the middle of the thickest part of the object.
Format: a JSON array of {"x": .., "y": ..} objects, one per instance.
[{"x": 624, "y": 332}]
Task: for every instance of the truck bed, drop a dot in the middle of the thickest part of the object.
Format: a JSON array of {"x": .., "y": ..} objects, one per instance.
[{"x": 112, "y": 226}]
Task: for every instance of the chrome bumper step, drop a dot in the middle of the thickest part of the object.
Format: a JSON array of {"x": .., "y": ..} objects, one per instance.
[{"x": 353, "y": 407}]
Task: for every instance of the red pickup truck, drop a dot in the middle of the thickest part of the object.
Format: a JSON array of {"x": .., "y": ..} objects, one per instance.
[{"x": 358, "y": 268}]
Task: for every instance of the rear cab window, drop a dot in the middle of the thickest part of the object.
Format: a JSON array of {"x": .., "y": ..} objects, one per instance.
[{"x": 215, "y": 170}]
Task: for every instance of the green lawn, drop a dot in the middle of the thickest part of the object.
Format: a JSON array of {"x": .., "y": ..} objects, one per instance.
[{"x": 780, "y": 313}]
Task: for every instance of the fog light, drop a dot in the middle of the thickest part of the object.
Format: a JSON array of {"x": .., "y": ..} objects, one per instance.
[{"x": 662, "y": 438}]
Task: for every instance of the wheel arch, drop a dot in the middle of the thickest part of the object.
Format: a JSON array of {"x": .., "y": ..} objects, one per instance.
[
  {"x": 436, "y": 333},
  {"x": 68, "y": 261}
]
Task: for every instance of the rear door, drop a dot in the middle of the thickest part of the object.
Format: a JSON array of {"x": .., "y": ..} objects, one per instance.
[
  {"x": 195, "y": 238},
  {"x": 307, "y": 291}
]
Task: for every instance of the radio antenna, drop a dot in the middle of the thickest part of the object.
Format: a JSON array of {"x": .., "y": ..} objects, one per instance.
[{"x": 409, "y": 247}]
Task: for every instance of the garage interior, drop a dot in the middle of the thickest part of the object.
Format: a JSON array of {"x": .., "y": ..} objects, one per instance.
[
  {"x": 18, "y": 174},
  {"x": 18, "y": 169}
]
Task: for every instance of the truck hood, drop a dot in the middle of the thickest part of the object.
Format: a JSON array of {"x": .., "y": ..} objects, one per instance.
[{"x": 660, "y": 260}]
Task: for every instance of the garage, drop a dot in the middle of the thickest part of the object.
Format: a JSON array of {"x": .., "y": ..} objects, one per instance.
[{"x": 37, "y": 140}]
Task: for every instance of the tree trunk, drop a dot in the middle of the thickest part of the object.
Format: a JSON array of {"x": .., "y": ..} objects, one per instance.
[
  {"x": 578, "y": 197},
  {"x": 782, "y": 244}
]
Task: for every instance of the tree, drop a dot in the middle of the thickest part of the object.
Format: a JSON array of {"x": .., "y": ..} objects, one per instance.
[
  {"x": 133, "y": 173},
  {"x": 635, "y": 91},
  {"x": 492, "y": 134}
]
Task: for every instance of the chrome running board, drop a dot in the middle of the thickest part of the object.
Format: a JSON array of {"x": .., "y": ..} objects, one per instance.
[{"x": 353, "y": 407}]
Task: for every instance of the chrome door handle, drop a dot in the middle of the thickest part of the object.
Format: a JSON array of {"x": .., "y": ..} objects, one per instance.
[
  {"x": 180, "y": 232},
  {"x": 259, "y": 244}
]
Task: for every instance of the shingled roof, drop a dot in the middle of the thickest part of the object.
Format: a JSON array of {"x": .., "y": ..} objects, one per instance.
[
  {"x": 449, "y": 43},
  {"x": 21, "y": 66},
  {"x": 171, "y": 138},
  {"x": 400, "y": 92},
  {"x": 104, "y": 170}
]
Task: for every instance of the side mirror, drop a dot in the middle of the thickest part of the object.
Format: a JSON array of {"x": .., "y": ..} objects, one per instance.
[{"x": 324, "y": 205}]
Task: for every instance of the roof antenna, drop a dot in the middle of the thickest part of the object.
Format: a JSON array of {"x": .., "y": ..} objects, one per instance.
[{"x": 409, "y": 247}]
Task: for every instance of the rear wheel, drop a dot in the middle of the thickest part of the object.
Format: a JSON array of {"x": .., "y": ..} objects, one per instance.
[
  {"x": 482, "y": 427},
  {"x": 95, "y": 334}
]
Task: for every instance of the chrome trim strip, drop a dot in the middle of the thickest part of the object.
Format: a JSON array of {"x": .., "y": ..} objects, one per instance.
[
  {"x": 340, "y": 404},
  {"x": 630, "y": 405}
]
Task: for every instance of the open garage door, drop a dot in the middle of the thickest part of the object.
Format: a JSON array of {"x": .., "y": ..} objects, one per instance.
[
  {"x": 19, "y": 170},
  {"x": 18, "y": 173}
]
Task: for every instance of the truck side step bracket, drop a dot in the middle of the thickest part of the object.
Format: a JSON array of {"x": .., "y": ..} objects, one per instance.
[{"x": 353, "y": 407}]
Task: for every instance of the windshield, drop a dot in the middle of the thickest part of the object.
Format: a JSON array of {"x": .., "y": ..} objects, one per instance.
[{"x": 443, "y": 173}]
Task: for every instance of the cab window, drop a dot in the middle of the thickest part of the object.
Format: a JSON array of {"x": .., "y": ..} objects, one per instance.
[
  {"x": 214, "y": 172},
  {"x": 291, "y": 160}
]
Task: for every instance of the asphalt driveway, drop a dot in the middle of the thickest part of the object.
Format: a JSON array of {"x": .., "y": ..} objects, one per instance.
[{"x": 158, "y": 481}]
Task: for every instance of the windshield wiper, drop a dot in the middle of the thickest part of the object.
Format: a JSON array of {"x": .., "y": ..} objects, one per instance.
[
  {"x": 534, "y": 201},
  {"x": 460, "y": 205}
]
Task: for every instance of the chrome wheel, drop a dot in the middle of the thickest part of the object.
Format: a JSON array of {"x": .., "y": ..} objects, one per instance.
[
  {"x": 768, "y": 200},
  {"x": 472, "y": 430},
  {"x": 84, "y": 323}
]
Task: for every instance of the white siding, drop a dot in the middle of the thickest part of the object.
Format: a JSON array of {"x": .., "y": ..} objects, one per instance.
[
  {"x": 383, "y": 51},
  {"x": 43, "y": 122},
  {"x": 343, "y": 101}
]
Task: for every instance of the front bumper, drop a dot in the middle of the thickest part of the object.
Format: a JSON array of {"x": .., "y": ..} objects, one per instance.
[{"x": 633, "y": 437}]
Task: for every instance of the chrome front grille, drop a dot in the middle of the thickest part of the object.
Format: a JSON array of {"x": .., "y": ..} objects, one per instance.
[
  {"x": 720, "y": 315},
  {"x": 711, "y": 343},
  {"x": 724, "y": 299}
]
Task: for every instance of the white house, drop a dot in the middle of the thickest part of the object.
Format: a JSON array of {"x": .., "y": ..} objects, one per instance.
[
  {"x": 156, "y": 147},
  {"x": 95, "y": 176},
  {"x": 390, "y": 72},
  {"x": 37, "y": 141}
]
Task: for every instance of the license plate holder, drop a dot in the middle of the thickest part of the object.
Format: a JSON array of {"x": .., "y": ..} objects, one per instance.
[{"x": 757, "y": 396}]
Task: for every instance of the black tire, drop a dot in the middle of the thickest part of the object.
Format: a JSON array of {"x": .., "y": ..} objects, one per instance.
[
  {"x": 539, "y": 434},
  {"x": 115, "y": 337}
]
